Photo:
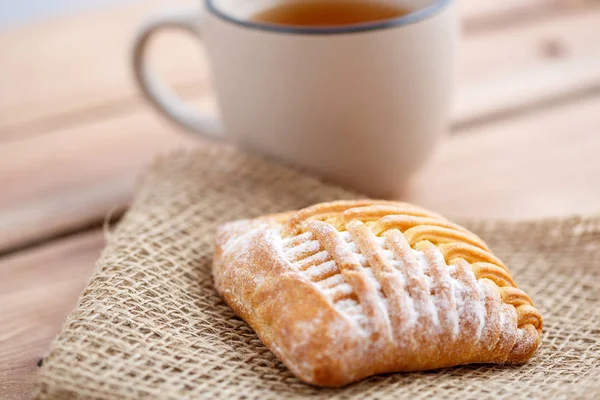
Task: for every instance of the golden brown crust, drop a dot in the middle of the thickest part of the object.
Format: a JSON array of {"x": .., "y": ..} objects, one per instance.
[{"x": 344, "y": 290}]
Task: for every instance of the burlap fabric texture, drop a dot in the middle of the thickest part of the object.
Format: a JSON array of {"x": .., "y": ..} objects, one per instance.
[{"x": 151, "y": 325}]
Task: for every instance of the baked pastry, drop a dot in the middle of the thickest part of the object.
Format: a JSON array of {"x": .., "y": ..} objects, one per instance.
[{"x": 344, "y": 290}]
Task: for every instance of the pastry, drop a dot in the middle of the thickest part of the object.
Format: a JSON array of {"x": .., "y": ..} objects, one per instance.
[{"x": 343, "y": 290}]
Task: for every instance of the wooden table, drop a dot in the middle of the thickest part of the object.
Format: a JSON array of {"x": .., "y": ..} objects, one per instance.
[{"x": 74, "y": 132}]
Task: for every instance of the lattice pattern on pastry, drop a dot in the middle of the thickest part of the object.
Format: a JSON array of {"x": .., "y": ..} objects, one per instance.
[{"x": 436, "y": 272}]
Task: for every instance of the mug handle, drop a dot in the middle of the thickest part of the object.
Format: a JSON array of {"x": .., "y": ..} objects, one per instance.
[{"x": 159, "y": 95}]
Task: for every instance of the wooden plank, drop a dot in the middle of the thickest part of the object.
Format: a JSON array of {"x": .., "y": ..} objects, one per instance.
[
  {"x": 80, "y": 64},
  {"x": 52, "y": 76},
  {"x": 472, "y": 10},
  {"x": 543, "y": 164},
  {"x": 506, "y": 71},
  {"x": 37, "y": 289},
  {"x": 484, "y": 15},
  {"x": 539, "y": 164},
  {"x": 64, "y": 180}
]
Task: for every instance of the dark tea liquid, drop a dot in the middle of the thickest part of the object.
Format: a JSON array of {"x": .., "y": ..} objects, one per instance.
[{"x": 318, "y": 13}]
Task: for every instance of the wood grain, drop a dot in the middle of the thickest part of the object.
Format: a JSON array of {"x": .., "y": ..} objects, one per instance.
[
  {"x": 78, "y": 175},
  {"x": 52, "y": 77},
  {"x": 485, "y": 15},
  {"x": 71, "y": 178},
  {"x": 542, "y": 164},
  {"x": 37, "y": 289},
  {"x": 509, "y": 71},
  {"x": 74, "y": 174},
  {"x": 80, "y": 64}
]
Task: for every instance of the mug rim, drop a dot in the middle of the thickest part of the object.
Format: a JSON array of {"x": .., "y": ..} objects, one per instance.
[{"x": 416, "y": 16}]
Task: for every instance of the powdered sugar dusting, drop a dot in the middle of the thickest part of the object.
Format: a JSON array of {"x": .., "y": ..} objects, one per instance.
[
  {"x": 424, "y": 266},
  {"x": 345, "y": 235},
  {"x": 350, "y": 284},
  {"x": 351, "y": 246},
  {"x": 480, "y": 308},
  {"x": 369, "y": 271},
  {"x": 469, "y": 299},
  {"x": 296, "y": 240},
  {"x": 304, "y": 249},
  {"x": 388, "y": 254},
  {"x": 443, "y": 285},
  {"x": 429, "y": 310},
  {"x": 340, "y": 291},
  {"x": 305, "y": 252},
  {"x": 350, "y": 306},
  {"x": 331, "y": 281},
  {"x": 322, "y": 271}
]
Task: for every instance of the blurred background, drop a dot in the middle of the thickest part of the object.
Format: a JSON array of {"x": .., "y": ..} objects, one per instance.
[
  {"x": 19, "y": 12},
  {"x": 74, "y": 129},
  {"x": 75, "y": 132}
]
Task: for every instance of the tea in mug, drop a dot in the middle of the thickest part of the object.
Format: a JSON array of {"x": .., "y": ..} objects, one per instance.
[{"x": 324, "y": 13}]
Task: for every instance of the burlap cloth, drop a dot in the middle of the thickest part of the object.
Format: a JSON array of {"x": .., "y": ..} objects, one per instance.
[{"x": 150, "y": 324}]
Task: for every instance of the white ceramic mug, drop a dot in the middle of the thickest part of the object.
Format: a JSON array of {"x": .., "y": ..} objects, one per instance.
[{"x": 362, "y": 105}]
